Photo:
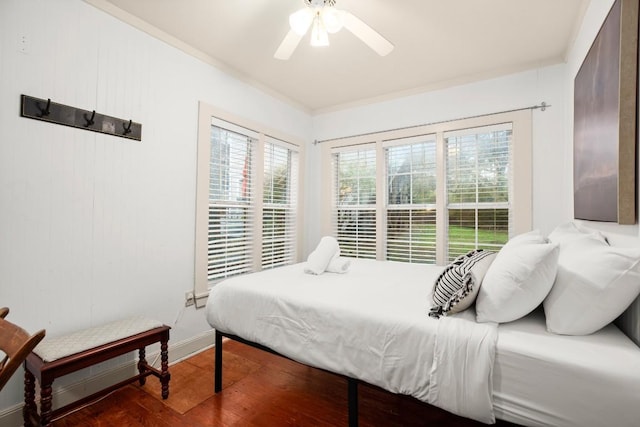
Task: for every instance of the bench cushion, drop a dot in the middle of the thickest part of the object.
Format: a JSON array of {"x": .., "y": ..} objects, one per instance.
[{"x": 51, "y": 349}]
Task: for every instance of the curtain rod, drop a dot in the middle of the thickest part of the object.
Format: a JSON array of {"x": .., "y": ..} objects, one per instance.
[{"x": 543, "y": 106}]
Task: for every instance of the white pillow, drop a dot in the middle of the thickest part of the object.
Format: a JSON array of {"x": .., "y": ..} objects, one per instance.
[
  {"x": 594, "y": 285},
  {"x": 530, "y": 237},
  {"x": 518, "y": 280},
  {"x": 569, "y": 231}
]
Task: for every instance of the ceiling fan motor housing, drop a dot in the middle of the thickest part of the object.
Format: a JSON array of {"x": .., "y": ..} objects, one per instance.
[
  {"x": 323, "y": 18},
  {"x": 320, "y": 3}
]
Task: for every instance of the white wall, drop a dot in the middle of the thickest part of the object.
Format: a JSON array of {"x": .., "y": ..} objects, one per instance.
[
  {"x": 489, "y": 96},
  {"x": 94, "y": 227}
]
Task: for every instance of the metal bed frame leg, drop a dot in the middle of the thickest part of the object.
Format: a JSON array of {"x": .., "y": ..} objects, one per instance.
[
  {"x": 352, "y": 395},
  {"x": 353, "y": 402},
  {"x": 218, "y": 363}
]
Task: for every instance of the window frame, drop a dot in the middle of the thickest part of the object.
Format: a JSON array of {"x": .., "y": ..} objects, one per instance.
[
  {"x": 265, "y": 134},
  {"x": 522, "y": 192},
  {"x": 289, "y": 209},
  {"x": 241, "y": 246},
  {"x": 455, "y": 248},
  {"x": 389, "y": 146},
  {"x": 357, "y": 207}
]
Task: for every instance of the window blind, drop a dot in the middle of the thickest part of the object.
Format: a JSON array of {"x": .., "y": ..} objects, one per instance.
[
  {"x": 279, "y": 207},
  {"x": 247, "y": 198},
  {"x": 231, "y": 207},
  {"x": 478, "y": 169},
  {"x": 411, "y": 198},
  {"x": 354, "y": 207}
]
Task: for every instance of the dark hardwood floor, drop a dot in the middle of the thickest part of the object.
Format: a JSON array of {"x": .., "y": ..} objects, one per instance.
[{"x": 259, "y": 389}]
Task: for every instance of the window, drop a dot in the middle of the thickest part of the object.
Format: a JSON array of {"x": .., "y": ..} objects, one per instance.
[
  {"x": 411, "y": 199},
  {"x": 447, "y": 188},
  {"x": 478, "y": 186},
  {"x": 355, "y": 202},
  {"x": 247, "y": 201},
  {"x": 231, "y": 208},
  {"x": 279, "y": 213}
]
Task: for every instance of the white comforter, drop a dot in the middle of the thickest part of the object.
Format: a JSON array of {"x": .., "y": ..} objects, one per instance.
[{"x": 371, "y": 324}]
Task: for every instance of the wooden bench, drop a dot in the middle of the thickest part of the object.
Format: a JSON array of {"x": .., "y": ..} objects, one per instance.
[{"x": 57, "y": 357}]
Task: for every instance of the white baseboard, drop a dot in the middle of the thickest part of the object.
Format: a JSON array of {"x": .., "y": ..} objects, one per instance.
[{"x": 12, "y": 416}]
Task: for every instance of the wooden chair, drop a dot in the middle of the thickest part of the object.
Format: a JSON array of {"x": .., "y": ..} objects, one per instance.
[{"x": 16, "y": 344}]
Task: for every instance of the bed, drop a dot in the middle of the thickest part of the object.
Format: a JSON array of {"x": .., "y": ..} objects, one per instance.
[{"x": 371, "y": 325}]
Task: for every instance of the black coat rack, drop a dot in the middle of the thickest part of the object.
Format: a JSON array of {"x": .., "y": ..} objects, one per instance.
[{"x": 45, "y": 110}]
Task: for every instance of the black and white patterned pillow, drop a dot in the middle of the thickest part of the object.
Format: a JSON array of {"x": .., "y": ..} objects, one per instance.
[{"x": 457, "y": 286}]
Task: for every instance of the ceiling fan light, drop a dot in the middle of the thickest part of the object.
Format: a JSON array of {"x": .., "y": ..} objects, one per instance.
[
  {"x": 299, "y": 21},
  {"x": 332, "y": 19},
  {"x": 319, "y": 35}
]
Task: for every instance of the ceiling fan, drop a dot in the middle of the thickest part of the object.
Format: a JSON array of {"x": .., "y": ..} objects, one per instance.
[{"x": 324, "y": 18}]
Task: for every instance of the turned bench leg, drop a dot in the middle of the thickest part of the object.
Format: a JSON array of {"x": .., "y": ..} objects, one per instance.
[
  {"x": 29, "y": 398},
  {"x": 142, "y": 365},
  {"x": 45, "y": 404},
  {"x": 164, "y": 372}
]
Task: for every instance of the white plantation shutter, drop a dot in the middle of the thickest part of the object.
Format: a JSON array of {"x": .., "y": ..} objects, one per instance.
[
  {"x": 247, "y": 199},
  {"x": 478, "y": 170},
  {"x": 354, "y": 205},
  {"x": 447, "y": 188},
  {"x": 411, "y": 199},
  {"x": 279, "y": 208},
  {"x": 231, "y": 204}
]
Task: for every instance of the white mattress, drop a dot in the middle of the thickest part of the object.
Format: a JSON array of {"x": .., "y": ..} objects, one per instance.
[
  {"x": 543, "y": 379},
  {"x": 539, "y": 378},
  {"x": 386, "y": 314}
]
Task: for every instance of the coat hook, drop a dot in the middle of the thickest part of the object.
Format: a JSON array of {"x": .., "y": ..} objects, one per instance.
[
  {"x": 46, "y": 110},
  {"x": 90, "y": 121},
  {"x": 127, "y": 128}
]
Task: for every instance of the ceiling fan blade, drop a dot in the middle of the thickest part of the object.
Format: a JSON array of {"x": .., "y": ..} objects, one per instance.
[
  {"x": 288, "y": 45},
  {"x": 368, "y": 35}
]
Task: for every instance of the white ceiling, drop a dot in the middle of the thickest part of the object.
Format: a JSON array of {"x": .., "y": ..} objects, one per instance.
[{"x": 438, "y": 43}]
